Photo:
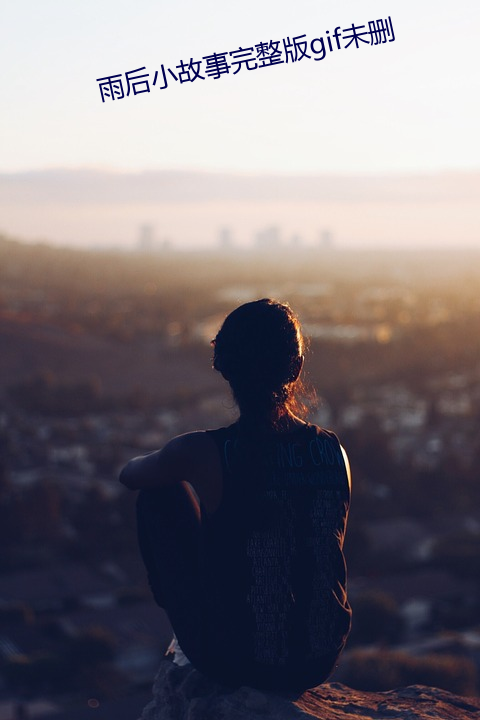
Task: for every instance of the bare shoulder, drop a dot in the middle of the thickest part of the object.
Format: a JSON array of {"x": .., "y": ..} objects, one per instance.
[
  {"x": 188, "y": 457},
  {"x": 189, "y": 448},
  {"x": 194, "y": 458}
]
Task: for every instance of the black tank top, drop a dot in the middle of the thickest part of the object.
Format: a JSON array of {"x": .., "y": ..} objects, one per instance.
[{"x": 273, "y": 564}]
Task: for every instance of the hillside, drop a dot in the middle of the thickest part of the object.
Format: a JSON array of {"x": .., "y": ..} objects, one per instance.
[{"x": 106, "y": 355}]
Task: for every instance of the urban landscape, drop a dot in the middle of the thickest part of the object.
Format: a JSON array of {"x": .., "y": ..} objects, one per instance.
[{"x": 106, "y": 355}]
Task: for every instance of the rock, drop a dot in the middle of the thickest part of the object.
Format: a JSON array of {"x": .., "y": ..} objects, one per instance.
[{"x": 182, "y": 693}]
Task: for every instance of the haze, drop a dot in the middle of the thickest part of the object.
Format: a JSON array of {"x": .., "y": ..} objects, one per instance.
[
  {"x": 180, "y": 209},
  {"x": 397, "y": 114}
]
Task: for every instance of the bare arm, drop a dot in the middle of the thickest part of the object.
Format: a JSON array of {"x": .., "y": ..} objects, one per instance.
[
  {"x": 191, "y": 458},
  {"x": 157, "y": 469},
  {"x": 140, "y": 472}
]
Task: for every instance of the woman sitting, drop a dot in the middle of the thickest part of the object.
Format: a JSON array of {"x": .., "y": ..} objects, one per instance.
[{"x": 249, "y": 567}]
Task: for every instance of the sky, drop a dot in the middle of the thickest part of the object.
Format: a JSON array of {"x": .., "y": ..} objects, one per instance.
[{"x": 410, "y": 105}]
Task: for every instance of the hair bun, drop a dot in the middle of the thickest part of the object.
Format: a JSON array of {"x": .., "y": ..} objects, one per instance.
[{"x": 259, "y": 350}]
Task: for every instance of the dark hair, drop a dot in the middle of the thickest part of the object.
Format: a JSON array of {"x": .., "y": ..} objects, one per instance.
[{"x": 259, "y": 350}]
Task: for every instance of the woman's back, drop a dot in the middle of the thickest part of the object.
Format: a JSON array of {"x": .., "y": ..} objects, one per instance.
[
  {"x": 253, "y": 578},
  {"x": 274, "y": 572}
]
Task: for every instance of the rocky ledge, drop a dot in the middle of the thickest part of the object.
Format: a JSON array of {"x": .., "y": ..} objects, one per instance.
[{"x": 182, "y": 693}]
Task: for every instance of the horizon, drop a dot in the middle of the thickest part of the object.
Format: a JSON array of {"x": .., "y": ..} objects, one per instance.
[
  {"x": 108, "y": 357},
  {"x": 176, "y": 208},
  {"x": 395, "y": 109},
  {"x": 132, "y": 223}
]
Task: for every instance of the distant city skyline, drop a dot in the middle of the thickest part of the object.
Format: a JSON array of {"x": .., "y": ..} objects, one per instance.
[
  {"x": 401, "y": 104},
  {"x": 181, "y": 210}
]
